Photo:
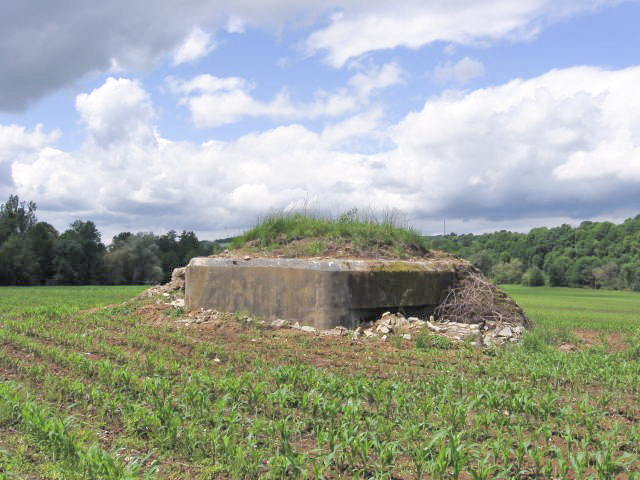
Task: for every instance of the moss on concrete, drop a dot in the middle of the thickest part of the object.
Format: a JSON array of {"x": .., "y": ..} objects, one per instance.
[{"x": 398, "y": 267}]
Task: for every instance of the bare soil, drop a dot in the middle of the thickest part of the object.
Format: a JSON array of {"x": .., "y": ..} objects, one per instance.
[
  {"x": 311, "y": 247},
  {"x": 614, "y": 341}
]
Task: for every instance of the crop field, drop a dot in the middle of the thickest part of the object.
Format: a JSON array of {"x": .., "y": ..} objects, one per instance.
[
  {"x": 127, "y": 391},
  {"x": 578, "y": 308}
]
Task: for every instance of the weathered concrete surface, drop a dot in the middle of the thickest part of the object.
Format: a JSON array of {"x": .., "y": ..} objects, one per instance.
[{"x": 323, "y": 293}]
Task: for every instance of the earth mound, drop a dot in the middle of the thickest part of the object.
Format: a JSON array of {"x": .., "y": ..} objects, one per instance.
[
  {"x": 473, "y": 308},
  {"x": 333, "y": 248}
]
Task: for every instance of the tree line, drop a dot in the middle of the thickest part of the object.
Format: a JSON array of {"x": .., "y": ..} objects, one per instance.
[
  {"x": 35, "y": 253},
  {"x": 594, "y": 254}
]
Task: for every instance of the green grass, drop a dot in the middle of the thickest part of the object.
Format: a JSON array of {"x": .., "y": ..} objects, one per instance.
[
  {"x": 363, "y": 231},
  {"x": 63, "y": 299},
  {"x": 425, "y": 340},
  {"x": 572, "y": 308},
  {"x": 107, "y": 394}
]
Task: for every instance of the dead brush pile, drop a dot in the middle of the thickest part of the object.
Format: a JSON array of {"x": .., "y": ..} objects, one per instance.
[{"x": 475, "y": 300}]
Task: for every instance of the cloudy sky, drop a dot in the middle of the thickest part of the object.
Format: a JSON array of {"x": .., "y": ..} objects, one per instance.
[{"x": 203, "y": 115}]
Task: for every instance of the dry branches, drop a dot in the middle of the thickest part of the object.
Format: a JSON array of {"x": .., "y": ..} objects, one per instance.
[{"x": 476, "y": 300}]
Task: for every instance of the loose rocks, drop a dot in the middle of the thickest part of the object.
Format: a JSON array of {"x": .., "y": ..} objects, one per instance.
[
  {"x": 174, "y": 288},
  {"x": 488, "y": 334},
  {"x": 279, "y": 323},
  {"x": 387, "y": 324}
]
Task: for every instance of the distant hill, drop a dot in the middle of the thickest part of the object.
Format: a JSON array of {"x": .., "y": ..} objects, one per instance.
[{"x": 594, "y": 254}]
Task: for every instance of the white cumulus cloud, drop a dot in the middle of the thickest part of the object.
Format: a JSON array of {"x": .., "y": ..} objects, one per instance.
[
  {"x": 377, "y": 78},
  {"x": 362, "y": 28},
  {"x": 565, "y": 141},
  {"x": 197, "y": 45},
  {"x": 215, "y": 101},
  {"x": 563, "y": 144},
  {"x": 19, "y": 145},
  {"x": 118, "y": 35},
  {"x": 460, "y": 72},
  {"x": 118, "y": 111},
  {"x": 617, "y": 157},
  {"x": 16, "y": 140},
  {"x": 235, "y": 24}
]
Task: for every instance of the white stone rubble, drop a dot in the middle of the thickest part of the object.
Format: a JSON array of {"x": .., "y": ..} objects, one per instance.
[
  {"x": 487, "y": 334},
  {"x": 175, "y": 288}
]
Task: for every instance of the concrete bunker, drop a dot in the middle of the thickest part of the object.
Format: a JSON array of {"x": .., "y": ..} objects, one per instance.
[{"x": 320, "y": 292}]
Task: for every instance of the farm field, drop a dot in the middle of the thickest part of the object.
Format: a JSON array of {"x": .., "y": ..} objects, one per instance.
[
  {"x": 125, "y": 391},
  {"x": 579, "y": 308}
]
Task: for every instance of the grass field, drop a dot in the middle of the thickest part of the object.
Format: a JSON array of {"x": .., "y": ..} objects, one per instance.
[
  {"x": 61, "y": 300},
  {"x": 578, "y": 308},
  {"x": 126, "y": 392}
]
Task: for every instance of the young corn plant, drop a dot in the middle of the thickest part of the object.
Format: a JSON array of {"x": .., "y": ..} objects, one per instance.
[
  {"x": 484, "y": 469},
  {"x": 65, "y": 444}
]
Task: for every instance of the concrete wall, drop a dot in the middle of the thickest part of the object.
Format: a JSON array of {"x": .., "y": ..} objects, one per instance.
[{"x": 320, "y": 293}]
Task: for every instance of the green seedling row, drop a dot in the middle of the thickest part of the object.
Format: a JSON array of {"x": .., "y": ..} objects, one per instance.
[{"x": 101, "y": 394}]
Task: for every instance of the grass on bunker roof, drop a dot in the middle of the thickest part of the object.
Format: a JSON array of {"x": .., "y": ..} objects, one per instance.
[{"x": 354, "y": 233}]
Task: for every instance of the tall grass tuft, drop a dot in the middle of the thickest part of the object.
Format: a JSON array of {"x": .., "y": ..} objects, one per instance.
[
  {"x": 540, "y": 339},
  {"x": 363, "y": 230},
  {"x": 634, "y": 345}
]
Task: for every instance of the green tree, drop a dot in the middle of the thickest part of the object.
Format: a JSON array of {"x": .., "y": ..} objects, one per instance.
[
  {"x": 79, "y": 255},
  {"x": 188, "y": 247},
  {"x": 483, "y": 261},
  {"x": 135, "y": 260},
  {"x": 16, "y": 217},
  {"x": 607, "y": 276},
  {"x": 510, "y": 272},
  {"x": 67, "y": 262},
  {"x": 168, "y": 252},
  {"x": 539, "y": 243},
  {"x": 120, "y": 240},
  {"x": 41, "y": 239},
  {"x": 582, "y": 256},
  {"x": 18, "y": 265},
  {"x": 25, "y": 253},
  {"x": 557, "y": 267},
  {"x": 582, "y": 272},
  {"x": 533, "y": 277},
  {"x": 630, "y": 273}
]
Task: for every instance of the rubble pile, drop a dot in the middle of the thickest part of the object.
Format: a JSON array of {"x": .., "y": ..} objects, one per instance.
[
  {"x": 390, "y": 323},
  {"x": 208, "y": 315},
  {"x": 175, "y": 288},
  {"x": 480, "y": 334}
]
